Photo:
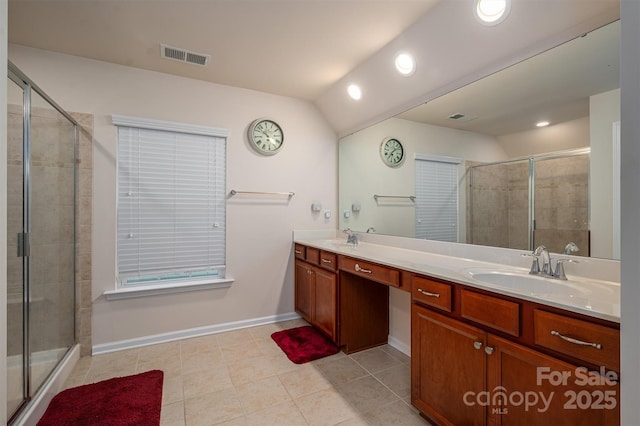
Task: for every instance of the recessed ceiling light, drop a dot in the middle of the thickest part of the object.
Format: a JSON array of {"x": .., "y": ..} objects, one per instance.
[
  {"x": 405, "y": 64},
  {"x": 355, "y": 92},
  {"x": 492, "y": 12},
  {"x": 542, "y": 123}
]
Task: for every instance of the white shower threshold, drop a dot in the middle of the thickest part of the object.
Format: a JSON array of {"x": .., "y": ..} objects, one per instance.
[{"x": 54, "y": 383}]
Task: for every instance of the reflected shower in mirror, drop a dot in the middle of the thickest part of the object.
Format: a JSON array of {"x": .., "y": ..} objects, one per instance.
[{"x": 561, "y": 182}]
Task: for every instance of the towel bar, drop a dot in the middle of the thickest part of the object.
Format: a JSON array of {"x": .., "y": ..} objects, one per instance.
[
  {"x": 234, "y": 192},
  {"x": 410, "y": 197}
]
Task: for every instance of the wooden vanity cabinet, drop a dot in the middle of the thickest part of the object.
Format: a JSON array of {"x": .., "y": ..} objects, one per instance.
[
  {"x": 447, "y": 360},
  {"x": 572, "y": 396},
  {"x": 474, "y": 366},
  {"x": 316, "y": 289}
]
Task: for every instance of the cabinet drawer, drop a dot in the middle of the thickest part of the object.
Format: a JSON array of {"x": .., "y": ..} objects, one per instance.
[
  {"x": 580, "y": 339},
  {"x": 313, "y": 255},
  {"x": 328, "y": 260},
  {"x": 299, "y": 251},
  {"x": 493, "y": 312},
  {"x": 431, "y": 293},
  {"x": 371, "y": 271}
]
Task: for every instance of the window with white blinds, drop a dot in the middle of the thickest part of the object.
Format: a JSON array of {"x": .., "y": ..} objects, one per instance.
[
  {"x": 171, "y": 202},
  {"x": 437, "y": 198}
]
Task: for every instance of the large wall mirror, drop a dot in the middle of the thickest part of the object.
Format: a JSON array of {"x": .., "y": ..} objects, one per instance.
[{"x": 477, "y": 169}]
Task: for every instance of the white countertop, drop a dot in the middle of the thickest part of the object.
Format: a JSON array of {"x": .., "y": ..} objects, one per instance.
[{"x": 594, "y": 297}]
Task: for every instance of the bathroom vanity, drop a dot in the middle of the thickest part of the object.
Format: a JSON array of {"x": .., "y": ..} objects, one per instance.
[{"x": 489, "y": 343}]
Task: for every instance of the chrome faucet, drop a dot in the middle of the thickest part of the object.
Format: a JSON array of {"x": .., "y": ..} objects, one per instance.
[
  {"x": 371, "y": 229},
  {"x": 542, "y": 252},
  {"x": 546, "y": 270},
  {"x": 352, "y": 239},
  {"x": 571, "y": 247}
]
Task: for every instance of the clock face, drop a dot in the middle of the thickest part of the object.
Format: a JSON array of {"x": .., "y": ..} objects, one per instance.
[
  {"x": 266, "y": 136},
  {"x": 392, "y": 152}
]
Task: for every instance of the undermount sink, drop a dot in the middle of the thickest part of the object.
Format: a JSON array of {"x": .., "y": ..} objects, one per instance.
[{"x": 523, "y": 282}]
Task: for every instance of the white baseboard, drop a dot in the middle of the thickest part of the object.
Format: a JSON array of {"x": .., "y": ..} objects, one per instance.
[
  {"x": 120, "y": 345},
  {"x": 399, "y": 345}
]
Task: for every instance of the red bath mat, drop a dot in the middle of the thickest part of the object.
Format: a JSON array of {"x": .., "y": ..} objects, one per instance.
[
  {"x": 122, "y": 401},
  {"x": 304, "y": 344}
]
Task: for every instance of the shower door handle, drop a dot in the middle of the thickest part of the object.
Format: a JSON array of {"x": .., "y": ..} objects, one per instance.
[{"x": 23, "y": 244}]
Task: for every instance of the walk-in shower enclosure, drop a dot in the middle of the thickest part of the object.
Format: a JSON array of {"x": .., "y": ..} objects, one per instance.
[
  {"x": 41, "y": 188},
  {"x": 523, "y": 203}
]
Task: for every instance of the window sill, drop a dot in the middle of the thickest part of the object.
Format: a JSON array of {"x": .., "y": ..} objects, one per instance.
[{"x": 153, "y": 290}]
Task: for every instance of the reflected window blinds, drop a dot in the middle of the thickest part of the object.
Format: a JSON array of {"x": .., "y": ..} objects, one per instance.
[{"x": 437, "y": 198}]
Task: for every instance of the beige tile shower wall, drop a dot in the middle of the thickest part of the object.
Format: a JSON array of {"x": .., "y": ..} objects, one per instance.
[
  {"x": 518, "y": 205},
  {"x": 84, "y": 225},
  {"x": 489, "y": 206},
  {"x": 562, "y": 203},
  {"x": 52, "y": 225},
  {"x": 498, "y": 211}
]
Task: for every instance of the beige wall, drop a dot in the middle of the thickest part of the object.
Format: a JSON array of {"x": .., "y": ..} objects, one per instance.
[
  {"x": 362, "y": 172},
  {"x": 557, "y": 137},
  {"x": 604, "y": 109},
  {"x": 258, "y": 231}
]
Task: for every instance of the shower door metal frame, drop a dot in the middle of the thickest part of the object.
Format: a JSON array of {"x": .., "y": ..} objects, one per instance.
[
  {"x": 532, "y": 159},
  {"x": 29, "y": 87}
]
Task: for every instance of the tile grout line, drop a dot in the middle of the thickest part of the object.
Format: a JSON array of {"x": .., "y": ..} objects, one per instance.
[{"x": 377, "y": 379}]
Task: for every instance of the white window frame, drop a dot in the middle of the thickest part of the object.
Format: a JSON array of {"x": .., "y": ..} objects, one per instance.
[
  {"x": 424, "y": 198},
  {"x": 195, "y": 279}
]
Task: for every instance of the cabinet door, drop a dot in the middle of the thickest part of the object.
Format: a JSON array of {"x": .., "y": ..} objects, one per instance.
[
  {"x": 304, "y": 291},
  {"x": 447, "y": 363},
  {"x": 326, "y": 299},
  {"x": 528, "y": 387}
]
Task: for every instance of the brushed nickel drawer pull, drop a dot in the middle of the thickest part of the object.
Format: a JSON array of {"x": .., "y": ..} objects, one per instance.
[
  {"x": 477, "y": 345},
  {"x": 298, "y": 252},
  {"x": 326, "y": 261},
  {"x": 359, "y": 269},
  {"x": 426, "y": 293},
  {"x": 576, "y": 341}
]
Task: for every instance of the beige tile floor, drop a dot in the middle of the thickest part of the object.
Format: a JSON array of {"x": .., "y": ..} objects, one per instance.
[{"x": 243, "y": 378}]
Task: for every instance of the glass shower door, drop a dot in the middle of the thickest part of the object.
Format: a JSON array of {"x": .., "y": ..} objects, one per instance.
[
  {"x": 52, "y": 238},
  {"x": 16, "y": 320},
  {"x": 41, "y": 169}
]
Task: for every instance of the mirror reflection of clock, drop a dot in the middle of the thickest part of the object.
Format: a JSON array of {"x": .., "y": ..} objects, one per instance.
[
  {"x": 392, "y": 152},
  {"x": 266, "y": 136}
]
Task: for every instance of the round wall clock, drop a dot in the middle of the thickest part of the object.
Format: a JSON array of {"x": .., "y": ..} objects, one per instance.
[
  {"x": 392, "y": 152},
  {"x": 266, "y": 136}
]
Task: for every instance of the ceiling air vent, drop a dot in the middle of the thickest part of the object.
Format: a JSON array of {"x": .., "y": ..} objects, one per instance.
[
  {"x": 183, "y": 55},
  {"x": 461, "y": 117}
]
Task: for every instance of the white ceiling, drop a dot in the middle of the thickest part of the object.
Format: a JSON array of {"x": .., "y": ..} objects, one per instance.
[
  {"x": 296, "y": 48},
  {"x": 553, "y": 86},
  {"x": 310, "y": 49}
]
